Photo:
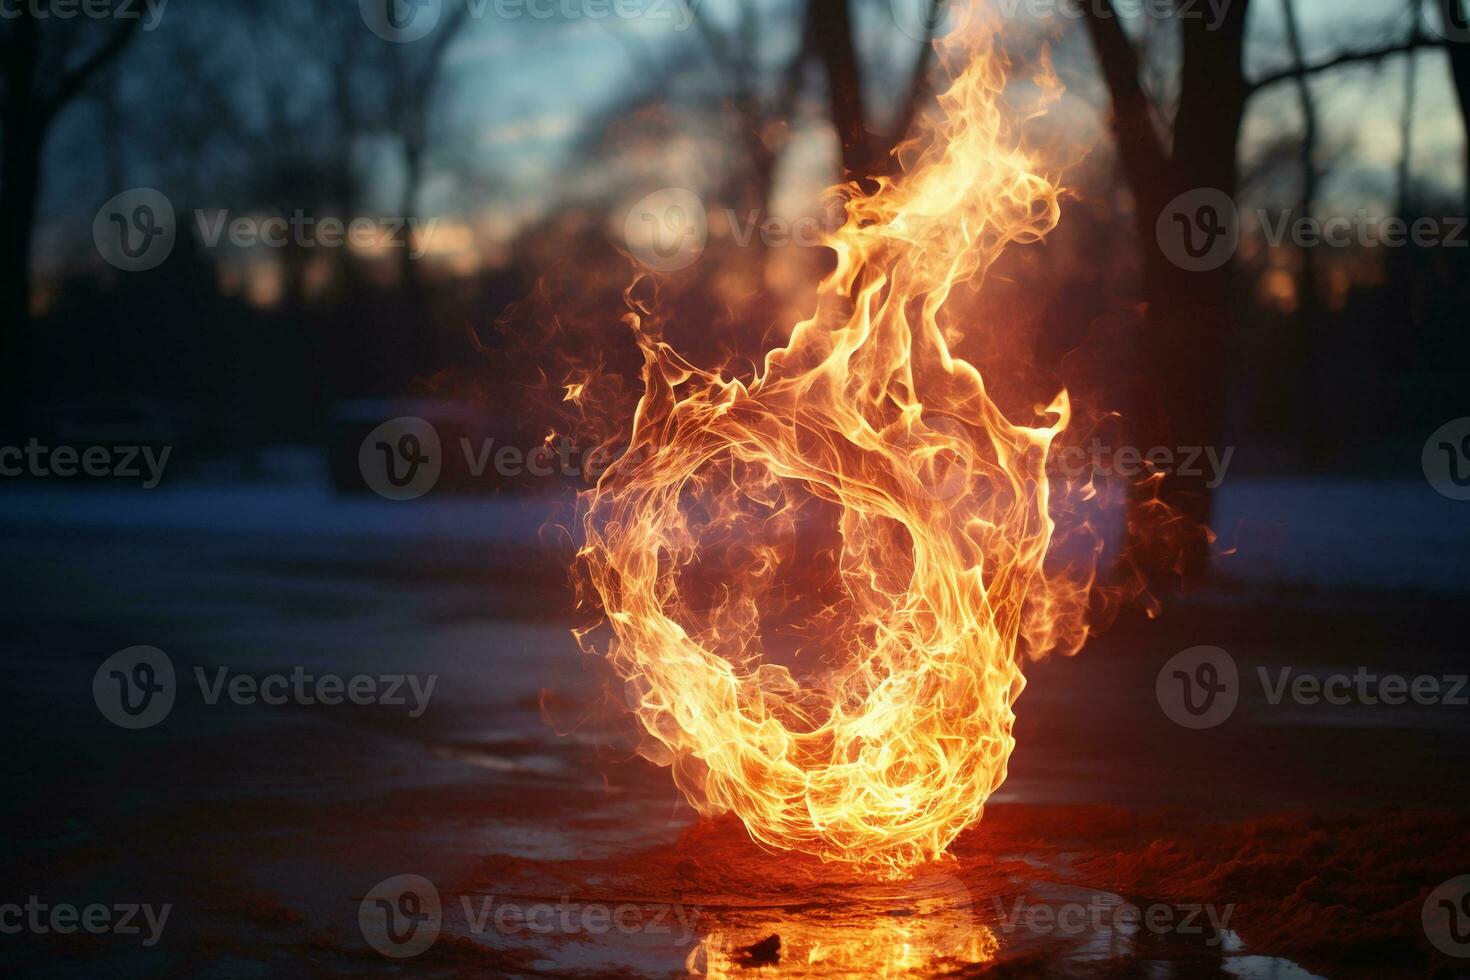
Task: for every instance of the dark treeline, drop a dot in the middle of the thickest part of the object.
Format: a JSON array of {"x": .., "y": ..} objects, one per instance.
[{"x": 1331, "y": 359}]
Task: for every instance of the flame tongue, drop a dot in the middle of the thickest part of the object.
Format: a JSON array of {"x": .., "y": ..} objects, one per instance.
[{"x": 890, "y": 741}]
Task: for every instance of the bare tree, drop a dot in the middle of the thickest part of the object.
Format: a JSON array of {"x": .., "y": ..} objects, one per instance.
[
  {"x": 1457, "y": 23},
  {"x": 1310, "y": 172},
  {"x": 865, "y": 141},
  {"x": 763, "y": 121},
  {"x": 413, "y": 72},
  {"x": 269, "y": 115},
  {"x": 1308, "y": 308},
  {"x": 1404, "y": 179},
  {"x": 827, "y": 35},
  {"x": 283, "y": 117},
  {"x": 43, "y": 70},
  {"x": 1184, "y": 352}
]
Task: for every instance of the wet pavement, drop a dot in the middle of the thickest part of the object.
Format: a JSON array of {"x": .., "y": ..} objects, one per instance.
[{"x": 1122, "y": 844}]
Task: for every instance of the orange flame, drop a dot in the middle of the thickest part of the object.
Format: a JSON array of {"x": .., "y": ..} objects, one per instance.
[{"x": 882, "y": 746}]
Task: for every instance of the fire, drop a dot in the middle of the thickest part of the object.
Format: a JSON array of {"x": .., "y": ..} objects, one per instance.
[{"x": 879, "y": 734}]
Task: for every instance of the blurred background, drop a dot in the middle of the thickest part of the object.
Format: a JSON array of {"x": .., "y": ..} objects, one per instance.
[
  {"x": 516, "y": 137},
  {"x": 240, "y": 239}
]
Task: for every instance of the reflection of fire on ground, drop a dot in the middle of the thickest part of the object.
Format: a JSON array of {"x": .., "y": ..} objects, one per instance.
[
  {"x": 917, "y": 928},
  {"x": 1031, "y": 891}
]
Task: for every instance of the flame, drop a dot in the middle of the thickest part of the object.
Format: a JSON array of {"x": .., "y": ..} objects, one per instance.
[{"x": 880, "y": 736}]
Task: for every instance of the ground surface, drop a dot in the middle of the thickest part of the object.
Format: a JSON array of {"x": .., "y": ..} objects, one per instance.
[{"x": 1289, "y": 841}]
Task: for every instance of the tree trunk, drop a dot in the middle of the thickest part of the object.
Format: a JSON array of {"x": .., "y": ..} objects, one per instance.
[
  {"x": 1458, "y": 50},
  {"x": 832, "y": 39},
  {"x": 1186, "y": 354},
  {"x": 1131, "y": 121},
  {"x": 345, "y": 190},
  {"x": 20, "y": 178},
  {"x": 1184, "y": 345},
  {"x": 413, "y": 174},
  {"x": 20, "y": 173},
  {"x": 1309, "y": 308},
  {"x": 26, "y": 114}
]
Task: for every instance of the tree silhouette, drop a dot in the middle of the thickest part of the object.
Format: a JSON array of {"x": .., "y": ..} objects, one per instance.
[{"x": 43, "y": 68}]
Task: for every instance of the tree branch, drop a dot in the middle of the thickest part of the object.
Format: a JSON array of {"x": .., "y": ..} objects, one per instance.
[
  {"x": 919, "y": 80},
  {"x": 831, "y": 27},
  {"x": 1342, "y": 60},
  {"x": 1132, "y": 123},
  {"x": 72, "y": 81}
]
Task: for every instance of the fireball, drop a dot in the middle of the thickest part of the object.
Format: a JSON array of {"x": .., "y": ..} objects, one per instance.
[{"x": 872, "y": 731}]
